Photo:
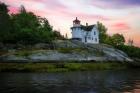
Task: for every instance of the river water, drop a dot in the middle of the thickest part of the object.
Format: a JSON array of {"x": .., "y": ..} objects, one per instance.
[{"x": 119, "y": 81}]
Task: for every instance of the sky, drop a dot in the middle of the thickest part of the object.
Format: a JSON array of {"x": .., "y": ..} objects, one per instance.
[{"x": 119, "y": 16}]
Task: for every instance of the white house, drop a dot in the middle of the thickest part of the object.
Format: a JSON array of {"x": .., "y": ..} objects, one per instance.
[{"x": 86, "y": 34}]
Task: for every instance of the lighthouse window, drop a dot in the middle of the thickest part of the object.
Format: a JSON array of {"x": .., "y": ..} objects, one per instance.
[{"x": 94, "y": 33}]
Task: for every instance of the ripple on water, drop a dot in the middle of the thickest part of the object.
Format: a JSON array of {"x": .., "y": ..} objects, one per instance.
[{"x": 71, "y": 82}]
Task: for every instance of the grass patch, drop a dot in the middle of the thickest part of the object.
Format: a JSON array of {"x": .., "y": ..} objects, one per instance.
[
  {"x": 23, "y": 53},
  {"x": 58, "y": 67}
]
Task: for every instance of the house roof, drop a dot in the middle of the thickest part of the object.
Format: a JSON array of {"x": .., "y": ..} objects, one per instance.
[{"x": 87, "y": 28}]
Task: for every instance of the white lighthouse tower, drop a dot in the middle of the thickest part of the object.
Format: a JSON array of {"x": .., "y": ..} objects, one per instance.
[{"x": 76, "y": 30}]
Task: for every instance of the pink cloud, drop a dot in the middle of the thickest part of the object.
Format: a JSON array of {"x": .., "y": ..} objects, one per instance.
[
  {"x": 13, "y": 10},
  {"x": 121, "y": 26}
]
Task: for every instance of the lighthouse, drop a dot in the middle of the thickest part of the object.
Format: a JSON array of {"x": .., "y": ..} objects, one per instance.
[
  {"x": 85, "y": 34},
  {"x": 76, "y": 30}
]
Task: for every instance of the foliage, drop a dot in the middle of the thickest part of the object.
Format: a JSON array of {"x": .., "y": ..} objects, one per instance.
[
  {"x": 25, "y": 27},
  {"x": 30, "y": 29},
  {"x": 24, "y": 53},
  {"x": 109, "y": 40},
  {"x": 58, "y": 35},
  {"x": 59, "y": 67},
  {"x": 102, "y": 32},
  {"x": 5, "y": 24},
  {"x": 132, "y": 51},
  {"x": 3, "y": 8},
  {"x": 118, "y": 39},
  {"x": 115, "y": 40}
]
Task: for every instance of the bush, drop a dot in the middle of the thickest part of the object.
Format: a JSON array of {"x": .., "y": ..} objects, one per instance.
[{"x": 131, "y": 51}]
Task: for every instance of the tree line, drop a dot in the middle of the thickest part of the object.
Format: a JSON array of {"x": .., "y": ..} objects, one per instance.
[
  {"x": 117, "y": 41},
  {"x": 25, "y": 27}
]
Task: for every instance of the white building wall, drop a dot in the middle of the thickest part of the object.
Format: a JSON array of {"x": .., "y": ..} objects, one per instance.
[
  {"x": 83, "y": 35},
  {"x": 76, "y": 32},
  {"x": 95, "y": 35},
  {"x": 92, "y": 36}
]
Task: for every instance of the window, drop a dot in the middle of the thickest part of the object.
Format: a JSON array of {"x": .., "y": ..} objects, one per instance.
[
  {"x": 94, "y": 33},
  {"x": 85, "y": 39}
]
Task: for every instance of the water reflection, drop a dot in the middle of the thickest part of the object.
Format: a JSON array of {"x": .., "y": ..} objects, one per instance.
[
  {"x": 134, "y": 88},
  {"x": 127, "y": 81}
]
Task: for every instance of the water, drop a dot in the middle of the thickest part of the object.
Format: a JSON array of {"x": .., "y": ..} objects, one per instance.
[{"x": 122, "y": 81}]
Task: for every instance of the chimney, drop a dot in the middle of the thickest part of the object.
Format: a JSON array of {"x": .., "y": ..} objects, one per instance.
[{"x": 86, "y": 24}]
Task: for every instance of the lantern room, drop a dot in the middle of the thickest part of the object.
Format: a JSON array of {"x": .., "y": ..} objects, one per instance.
[{"x": 76, "y": 22}]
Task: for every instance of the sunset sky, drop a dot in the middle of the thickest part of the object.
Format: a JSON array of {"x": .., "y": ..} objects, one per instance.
[{"x": 119, "y": 16}]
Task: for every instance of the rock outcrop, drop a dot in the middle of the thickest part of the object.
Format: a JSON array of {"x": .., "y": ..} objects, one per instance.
[{"x": 67, "y": 50}]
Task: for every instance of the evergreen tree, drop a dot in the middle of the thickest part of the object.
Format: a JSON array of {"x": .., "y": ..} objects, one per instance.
[
  {"x": 5, "y": 24},
  {"x": 22, "y": 9},
  {"x": 58, "y": 35}
]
